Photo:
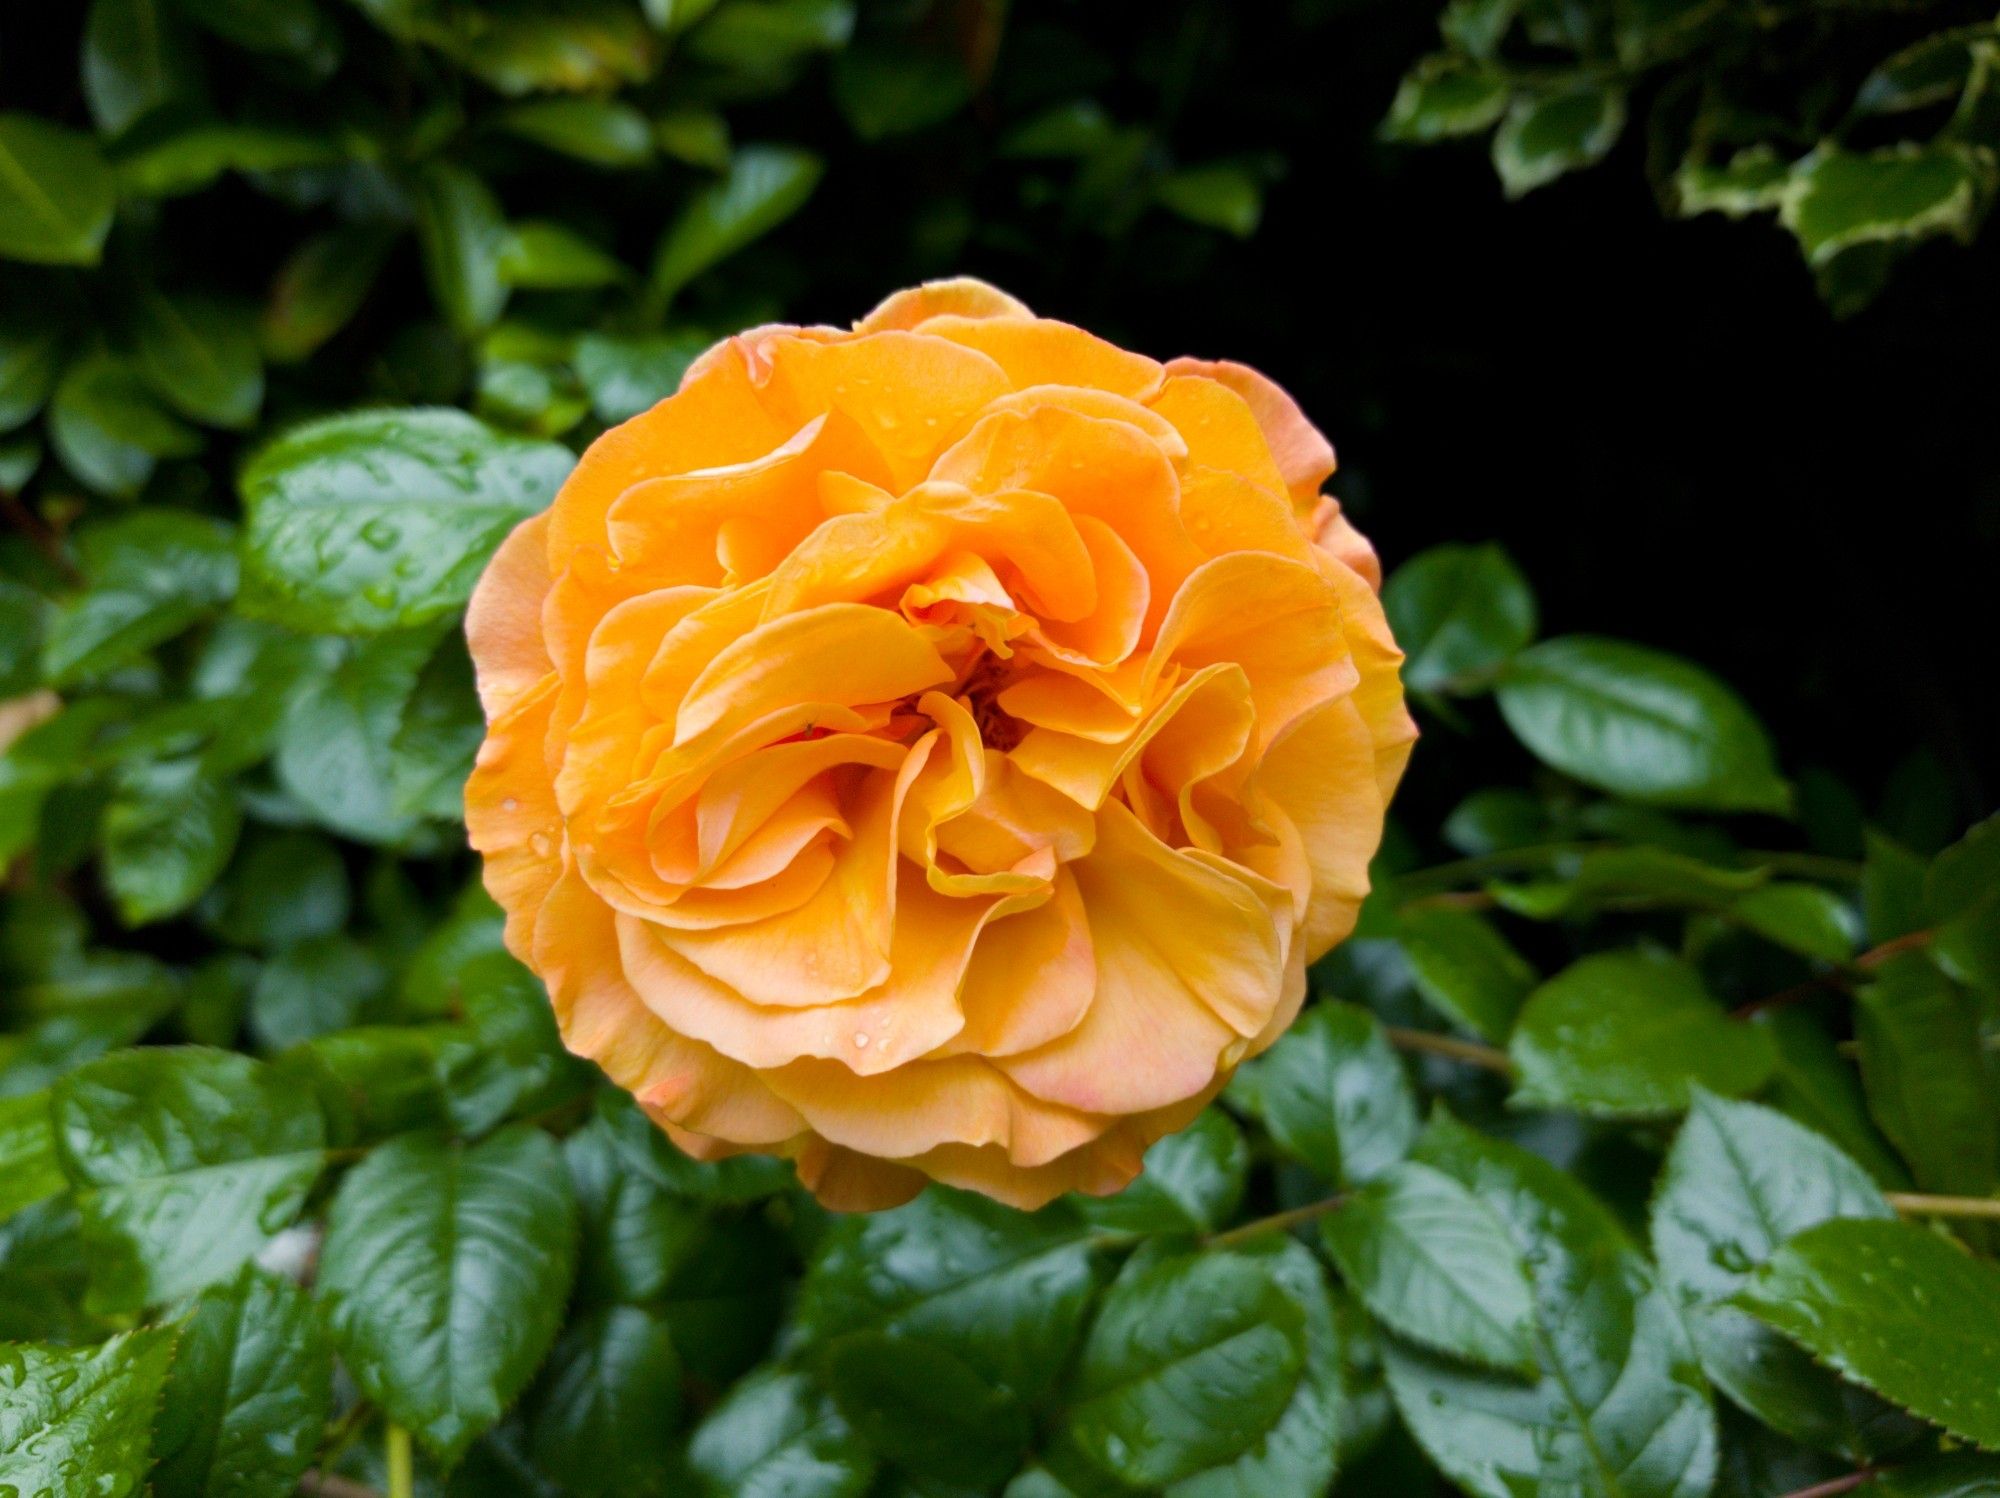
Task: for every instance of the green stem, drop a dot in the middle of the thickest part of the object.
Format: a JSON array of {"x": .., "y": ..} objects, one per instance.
[
  {"x": 1471, "y": 1052},
  {"x": 1917, "y": 1204},
  {"x": 402, "y": 1475},
  {"x": 1277, "y": 1222}
]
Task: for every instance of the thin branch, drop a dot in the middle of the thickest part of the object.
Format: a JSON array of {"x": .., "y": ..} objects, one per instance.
[
  {"x": 1471, "y": 1052},
  {"x": 1836, "y": 1485},
  {"x": 1277, "y": 1222},
  {"x": 1917, "y": 1204},
  {"x": 1838, "y": 977},
  {"x": 317, "y": 1484}
]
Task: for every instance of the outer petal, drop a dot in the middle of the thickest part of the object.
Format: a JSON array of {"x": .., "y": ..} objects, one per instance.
[
  {"x": 962, "y": 296},
  {"x": 1304, "y": 457}
]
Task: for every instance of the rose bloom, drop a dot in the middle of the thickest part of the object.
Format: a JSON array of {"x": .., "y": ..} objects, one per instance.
[{"x": 935, "y": 750}]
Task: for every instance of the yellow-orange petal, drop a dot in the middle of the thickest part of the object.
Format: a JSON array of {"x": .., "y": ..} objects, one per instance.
[
  {"x": 961, "y": 296},
  {"x": 1303, "y": 456},
  {"x": 503, "y": 622}
]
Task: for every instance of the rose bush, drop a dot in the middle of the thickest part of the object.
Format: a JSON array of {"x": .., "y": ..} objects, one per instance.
[{"x": 936, "y": 749}]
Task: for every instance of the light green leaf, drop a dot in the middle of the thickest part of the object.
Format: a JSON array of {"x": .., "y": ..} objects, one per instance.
[
  {"x": 56, "y": 193},
  {"x": 603, "y": 132},
  {"x": 79, "y": 1419},
  {"x": 764, "y": 186},
  {"x": 251, "y": 1388},
  {"x": 1333, "y": 1094},
  {"x": 1190, "y": 1360},
  {"x": 1838, "y": 200},
  {"x": 541, "y": 255},
  {"x": 1222, "y": 197},
  {"x": 381, "y": 520},
  {"x": 1926, "y": 1076},
  {"x": 1739, "y": 1181},
  {"x": 1434, "y": 1265},
  {"x": 1628, "y": 1035},
  {"x": 1750, "y": 181},
  {"x": 1620, "y": 1410},
  {"x": 444, "y": 1274},
  {"x": 185, "y": 1162},
  {"x": 1459, "y": 613},
  {"x": 29, "y": 1171},
  {"x": 1640, "y": 724},
  {"x": 1800, "y": 917},
  {"x": 629, "y": 374},
  {"x": 1546, "y": 135},
  {"x": 1898, "y": 1309}
]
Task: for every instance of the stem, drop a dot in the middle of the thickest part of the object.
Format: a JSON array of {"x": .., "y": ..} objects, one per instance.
[
  {"x": 1917, "y": 1204},
  {"x": 1835, "y": 1485},
  {"x": 1471, "y": 1052},
  {"x": 1443, "y": 876},
  {"x": 1838, "y": 977},
  {"x": 402, "y": 1477},
  {"x": 1277, "y": 1222},
  {"x": 317, "y": 1484}
]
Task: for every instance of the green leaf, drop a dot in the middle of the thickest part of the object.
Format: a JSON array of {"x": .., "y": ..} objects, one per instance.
[
  {"x": 1739, "y": 1181},
  {"x": 381, "y": 520},
  {"x": 764, "y": 186},
  {"x": 29, "y": 1170},
  {"x": 776, "y": 1436},
  {"x": 1442, "y": 98},
  {"x": 56, "y": 193},
  {"x": 1222, "y": 197},
  {"x": 282, "y": 888},
  {"x": 1192, "y": 1182},
  {"x": 926, "y": 1410},
  {"x": 1819, "y": 1087},
  {"x": 1005, "y": 1291},
  {"x": 1802, "y": 918},
  {"x": 541, "y": 255},
  {"x": 700, "y": 137},
  {"x": 1639, "y": 724},
  {"x": 321, "y": 286},
  {"x": 200, "y": 355},
  {"x": 1620, "y": 1410},
  {"x": 1960, "y": 1474},
  {"x": 1838, "y": 200},
  {"x": 1612, "y": 876},
  {"x": 251, "y": 1388},
  {"x": 1190, "y": 1360},
  {"x": 1962, "y": 905},
  {"x": 31, "y": 352},
  {"x": 886, "y": 88},
  {"x": 79, "y": 1419},
  {"x": 108, "y": 428},
  {"x": 583, "y": 46},
  {"x": 186, "y": 1162},
  {"x": 1926, "y": 1076},
  {"x": 1752, "y": 180},
  {"x": 1544, "y": 136},
  {"x": 168, "y": 834},
  {"x": 464, "y": 235},
  {"x": 1435, "y": 1266},
  {"x": 1298, "y": 1453},
  {"x": 647, "y": 1151},
  {"x": 1465, "y": 968},
  {"x": 1898, "y": 1309},
  {"x": 292, "y": 29},
  {"x": 603, "y": 1415},
  {"x": 603, "y": 132},
  {"x": 1628, "y": 1035},
  {"x": 137, "y": 56},
  {"x": 1460, "y": 613},
  {"x": 756, "y": 36},
  {"x": 629, "y": 374},
  {"x": 336, "y": 749},
  {"x": 147, "y": 577},
  {"x": 319, "y": 985},
  {"x": 636, "y": 1233},
  {"x": 1333, "y": 1094},
  {"x": 443, "y": 1277}
]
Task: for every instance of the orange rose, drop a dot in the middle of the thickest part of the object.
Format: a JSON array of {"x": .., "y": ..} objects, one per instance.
[{"x": 937, "y": 749}]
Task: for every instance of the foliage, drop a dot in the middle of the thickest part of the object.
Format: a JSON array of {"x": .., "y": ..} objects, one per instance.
[
  {"x": 1862, "y": 128},
  {"x": 1579, "y": 1175}
]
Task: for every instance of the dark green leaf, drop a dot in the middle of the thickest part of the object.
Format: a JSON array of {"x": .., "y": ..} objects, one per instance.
[
  {"x": 776, "y": 1436},
  {"x": 79, "y": 1420},
  {"x": 1546, "y": 135},
  {"x": 252, "y": 1384},
  {"x": 337, "y": 747},
  {"x": 443, "y": 1276},
  {"x": 1928, "y": 1083},
  {"x": 149, "y": 576},
  {"x": 200, "y": 355},
  {"x": 168, "y": 834},
  {"x": 1839, "y": 200},
  {"x": 318, "y": 290},
  {"x": 108, "y": 428},
  {"x": 636, "y": 1233},
  {"x": 1460, "y": 613},
  {"x": 56, "y": 193},
  {"x": 1819, "y": 1087},
  {"x": 1897, "y": 1308},
  {"x": 464, "y": 235},
  {"x": 1190, "y": 1360},
  {"x": 541, "y": 255},
  {"x": 1465, "y": 968},
  {"x": 603, "y": 1415},
  {"x": 137, "y": 55},
  {"x": 1628, "y": 1034},
  {"x": 1641, "y": 725},
  {"x": 382, "y": 520},
  {"x": 603, "y": 132},
  {"x": 627, "y": 375},
  {"x": 1192, "y": 1182},
  {"x": 282, "y": 888},
  {"x": 1223, "y": 197},
  {"x": 318, "y": 985},
  {"x": 888, "y": 88},
  {"x": 185, "y": 1163},
  {"x": 28, "y": 1167},
  {"x": 926, "y": 1410},
  {"x": 1434, "y": 1265},
  {"x": 1801, "y": 917},
  {"x": 764, "y": 186},
  {"x": 1443, "y": 98},
  {"x": 1333, "y": 1094}
]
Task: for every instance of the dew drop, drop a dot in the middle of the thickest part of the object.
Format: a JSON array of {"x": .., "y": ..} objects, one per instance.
[{"x": 861, "y": 1040}]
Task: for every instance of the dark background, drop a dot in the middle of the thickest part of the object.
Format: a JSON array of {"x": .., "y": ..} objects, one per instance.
[{"x": 1657, "y": 417}]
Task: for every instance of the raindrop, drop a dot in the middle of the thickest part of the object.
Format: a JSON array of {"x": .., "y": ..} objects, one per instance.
[{"x": 380, "y": 534}]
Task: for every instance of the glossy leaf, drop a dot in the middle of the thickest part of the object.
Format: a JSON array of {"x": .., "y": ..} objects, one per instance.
[
  {"x": 603, "y": 1415},
  {"x": 1460, "y": 613},
  {"x": 56, "y": 193},
  {"x": 776, "y": 1436},
  {"x": 1465, "y": 968},
  {"x": 1192, "y": 1182},
  {"x": 764, "y": 186},
  {"x": 1333, "y": 1094},
  {"x": 78, "y": 1419}
]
